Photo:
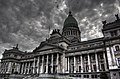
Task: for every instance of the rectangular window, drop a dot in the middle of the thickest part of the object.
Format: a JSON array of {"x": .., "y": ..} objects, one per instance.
[
  {"x": 93, "y": 57},
  {"x": 95, "y": 76},
  {"x": 102, "y": 67},
  {"x": 92, "y": 76},
  {"x": 87, "y": 68},
  {"x": 114, "y": 33},
  {"x": 101, "y": 56},
  {"x": 79, "y": 68},
  {"x": 94, "y": 67},
  {"x": 85, "y": 58},
  {"x": 117, "y": 48},
  {"x": 85, "y": 76},
  {"x": 118, "y": 61}
]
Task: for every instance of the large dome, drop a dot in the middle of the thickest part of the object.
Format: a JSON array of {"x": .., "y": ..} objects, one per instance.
[
  {"x": 70, "y": 29},
  {"x": 70, "y": 21}
]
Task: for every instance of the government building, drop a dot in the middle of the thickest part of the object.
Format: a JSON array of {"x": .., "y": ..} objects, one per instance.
[{"x": 64, "y": 54}]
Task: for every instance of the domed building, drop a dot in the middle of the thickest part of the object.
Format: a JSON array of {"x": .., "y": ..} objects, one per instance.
[
  {"x": 70, "y": 29},
  {"x": 64, "y": 55}
]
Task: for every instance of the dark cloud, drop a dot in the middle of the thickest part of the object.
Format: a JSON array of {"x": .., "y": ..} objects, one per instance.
[
  {"x": 27, "y": 22},
  {"x": 79, "y": 5}
]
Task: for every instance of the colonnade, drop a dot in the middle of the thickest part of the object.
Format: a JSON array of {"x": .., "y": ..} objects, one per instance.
[
  {"x": 49, "y": 63},
  {"x": 97, "y": 62}
]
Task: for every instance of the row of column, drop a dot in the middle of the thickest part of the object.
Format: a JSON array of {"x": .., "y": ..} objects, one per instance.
[
  {"x": 6, "y": 67},
  {"x": 89, "y": 63},
  {"x": 71, "y": 32},
  {"x": 40, "y": 67}
]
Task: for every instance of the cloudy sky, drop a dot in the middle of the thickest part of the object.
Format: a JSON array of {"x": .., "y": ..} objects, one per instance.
[{"x": 27, "y": 22}]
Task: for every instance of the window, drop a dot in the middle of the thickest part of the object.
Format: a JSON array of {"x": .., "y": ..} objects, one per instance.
[
  {"x": 85, "y": 58},
  {"x": 119, "y": 61},
  {"x": 87, "y": 68},
  {"x": 94, "y": 76},
  {"x": 114, "y": 74},
  {"x": 114, "y": 33},
  {"x": 78, "y": 59},
  {"x": 15, "y": 55},
  {"x": 85, "y": 76},
  {"x": 79, "y": 75},
  {"x": 93, "y": 57},
  {"x": 117, "y": 48},
  {"x": 94, "y": 67},
  {"x": 101, "y": 56},
  {"x": 102, "y": 67},
  {"x": 79, "y": 68}
]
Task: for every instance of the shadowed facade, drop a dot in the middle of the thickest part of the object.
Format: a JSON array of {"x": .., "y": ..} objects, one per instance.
[{"x": 65, "y": 54}]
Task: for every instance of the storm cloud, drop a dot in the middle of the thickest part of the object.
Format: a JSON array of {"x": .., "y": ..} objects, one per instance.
[{"x": 28, "y": 22}]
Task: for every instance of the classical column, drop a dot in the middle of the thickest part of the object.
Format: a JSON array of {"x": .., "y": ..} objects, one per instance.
[
  {"x": 18, "y": 67},
  {"x": 89, "y": 67},
  {"x": 81, "y": 63},
  {"x": 105, "y": 61},
  {"x": 52, "y": 64},
  {"x": 22, "y": 68},
  {"x": 9, "y": 67},
  {"x": 113, "y": 57},
  {"x": 68, "y": 64},
  {"x": 57, "y": 63},
  {"x": 38, "y": 65},
  {"x": 25, "y": 68},
  {"x": 28, "y": 67},
  {"x": 63, "y": 63},
  {"x": 74, "y": 64},
  {"x": 42, "y": 67},
  {"x": 34, "y": 69},
  {"x": 96, "y": 60},
  {"x": 47, "y": 65}
]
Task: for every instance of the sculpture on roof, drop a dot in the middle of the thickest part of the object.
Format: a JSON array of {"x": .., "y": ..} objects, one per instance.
[
  {"x": 104, "y": 22},
  {"x": 117, "y": 17}
]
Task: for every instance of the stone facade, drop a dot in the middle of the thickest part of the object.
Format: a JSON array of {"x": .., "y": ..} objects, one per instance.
[{"x": 66, "y": 54}]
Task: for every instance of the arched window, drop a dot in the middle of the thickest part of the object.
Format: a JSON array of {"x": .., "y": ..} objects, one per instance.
[{"x": 117, "y": 48}]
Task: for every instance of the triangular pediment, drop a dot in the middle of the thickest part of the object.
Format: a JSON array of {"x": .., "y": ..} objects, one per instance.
[{"x": 45, "y": 47}]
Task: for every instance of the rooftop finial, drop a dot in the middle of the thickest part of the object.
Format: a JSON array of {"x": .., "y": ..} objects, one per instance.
[
  {"x": 104, "y": 22},
  {"x": 70, "y": 13}
]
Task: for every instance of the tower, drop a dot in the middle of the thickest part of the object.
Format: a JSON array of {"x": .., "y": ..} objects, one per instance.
[{"x": 70, "y": 29}]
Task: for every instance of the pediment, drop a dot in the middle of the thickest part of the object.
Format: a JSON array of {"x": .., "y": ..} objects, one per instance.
[{"x": 46, "y": 47}]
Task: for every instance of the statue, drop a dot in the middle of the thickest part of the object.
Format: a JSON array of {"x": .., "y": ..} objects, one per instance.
[
  {"x": 104, "y": 22},
  {"x": 117, "y": 17}
]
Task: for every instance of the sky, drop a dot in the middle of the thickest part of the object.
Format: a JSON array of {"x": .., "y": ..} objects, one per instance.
[{"x": 28, "y": 22}]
